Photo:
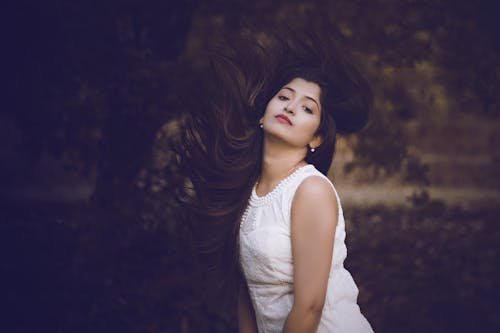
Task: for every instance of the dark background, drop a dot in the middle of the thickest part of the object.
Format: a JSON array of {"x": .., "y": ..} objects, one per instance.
[{"x": 89, "y": 238}]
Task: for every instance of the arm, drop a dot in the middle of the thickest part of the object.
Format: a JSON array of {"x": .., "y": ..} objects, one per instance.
[
  {"x": 314, "y": 219},
  {"x": 246, "y": 314}
]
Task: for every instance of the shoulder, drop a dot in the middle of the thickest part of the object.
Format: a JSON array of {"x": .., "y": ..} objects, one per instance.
[
  {"x": 315, "y": 193},
  {"x": 315, "y": 184},
  {"x": 315, "y": 211}
]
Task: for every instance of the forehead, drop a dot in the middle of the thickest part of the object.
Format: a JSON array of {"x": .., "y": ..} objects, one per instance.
[{"x": 303, "y": 87}]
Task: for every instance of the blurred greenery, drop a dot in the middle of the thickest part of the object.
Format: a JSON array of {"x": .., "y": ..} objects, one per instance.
[{"x": 95, "y": 86}]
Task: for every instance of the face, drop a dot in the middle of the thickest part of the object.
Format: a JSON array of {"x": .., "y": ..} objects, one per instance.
[{"x": 293, "y": 114}]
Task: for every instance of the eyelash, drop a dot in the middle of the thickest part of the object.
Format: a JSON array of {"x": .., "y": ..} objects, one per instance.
[{"x": 305, "y": 108}]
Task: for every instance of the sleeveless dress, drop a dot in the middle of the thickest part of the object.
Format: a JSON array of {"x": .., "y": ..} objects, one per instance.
[{"x": 267, "y": 264}]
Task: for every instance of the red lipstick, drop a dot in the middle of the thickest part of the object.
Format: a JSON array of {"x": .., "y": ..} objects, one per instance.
[{"x": 284, "y": 119}]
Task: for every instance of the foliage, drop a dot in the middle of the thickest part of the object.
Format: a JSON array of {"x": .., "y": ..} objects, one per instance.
[{"x": 429, "y": 268}]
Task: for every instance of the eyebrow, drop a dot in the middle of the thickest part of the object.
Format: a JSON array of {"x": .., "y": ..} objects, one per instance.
[{"x": 310, "y": 98}]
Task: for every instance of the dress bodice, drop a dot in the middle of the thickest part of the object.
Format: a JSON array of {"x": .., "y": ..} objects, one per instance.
[{"x": 267, "y": 262}]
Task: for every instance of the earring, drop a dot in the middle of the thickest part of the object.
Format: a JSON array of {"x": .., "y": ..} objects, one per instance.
[
  {"x": 313, "y": 150},
  {"x": 261, "y": 125}
]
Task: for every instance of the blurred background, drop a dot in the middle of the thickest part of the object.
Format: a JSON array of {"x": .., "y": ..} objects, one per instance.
[{"x": 90, "y": 241}]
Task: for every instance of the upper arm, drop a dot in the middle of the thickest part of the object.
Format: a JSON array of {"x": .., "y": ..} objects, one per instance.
[{"x": 314, "y": 218}]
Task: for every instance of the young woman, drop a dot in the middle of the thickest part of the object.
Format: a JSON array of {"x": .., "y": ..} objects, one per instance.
[{"x": 257, "y": 161}]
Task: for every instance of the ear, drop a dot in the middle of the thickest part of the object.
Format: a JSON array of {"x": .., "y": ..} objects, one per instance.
[
  {"x": 261, "y": 120},
  {"x": 316, "y": 141}
]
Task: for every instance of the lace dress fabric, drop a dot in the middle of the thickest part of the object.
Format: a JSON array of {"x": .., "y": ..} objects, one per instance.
[{"x": 267, "y": 263}]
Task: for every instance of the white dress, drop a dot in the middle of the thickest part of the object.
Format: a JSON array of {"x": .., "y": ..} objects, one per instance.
[{"x": 267, "y": 263}]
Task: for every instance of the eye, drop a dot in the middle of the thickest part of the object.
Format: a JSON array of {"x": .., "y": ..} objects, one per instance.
[
  {"x": 306, "y": 109},
  {"x": 282, "y": 98}
]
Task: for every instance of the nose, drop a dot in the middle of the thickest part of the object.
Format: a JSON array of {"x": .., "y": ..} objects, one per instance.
[{"x": 290, "y": 108}]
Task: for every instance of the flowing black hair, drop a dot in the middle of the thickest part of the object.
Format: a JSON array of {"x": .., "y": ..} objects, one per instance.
[{"x": 219, "y": 150}]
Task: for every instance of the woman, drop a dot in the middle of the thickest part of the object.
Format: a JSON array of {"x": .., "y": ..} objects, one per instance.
[{"x": 258, "y": 163}]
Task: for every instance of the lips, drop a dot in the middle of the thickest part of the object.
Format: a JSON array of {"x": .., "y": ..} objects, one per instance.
[{"x": 284, "y": 119}]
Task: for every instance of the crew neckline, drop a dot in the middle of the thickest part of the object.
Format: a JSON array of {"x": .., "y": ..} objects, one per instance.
[{"x": 259, "y": 200}]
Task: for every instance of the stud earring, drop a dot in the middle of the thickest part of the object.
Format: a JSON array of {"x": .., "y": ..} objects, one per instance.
[
  {"x": 261, "y": 125},
  {"x": 313, "y": 150}
]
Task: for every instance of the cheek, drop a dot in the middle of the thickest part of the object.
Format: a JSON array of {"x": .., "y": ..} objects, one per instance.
[
  {"x": 268, "y": 112},
  {"x": 272, "y": 105},
  {"x": 313, "y": 127}
]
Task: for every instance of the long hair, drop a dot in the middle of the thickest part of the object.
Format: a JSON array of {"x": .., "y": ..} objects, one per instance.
[{"x": 219, "y": 151}]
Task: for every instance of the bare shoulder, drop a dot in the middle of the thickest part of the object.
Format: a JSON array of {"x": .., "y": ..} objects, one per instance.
[
  {"x": 314, "y": 195},
  {"x": 315, "y": 188}
]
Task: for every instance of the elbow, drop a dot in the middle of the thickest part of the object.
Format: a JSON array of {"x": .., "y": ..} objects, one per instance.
[
  {"x": 314, "y": 303},
  {"x": 316, "y": 308},
  {"x": 304, "y": 317},
  {"x": 312, "y": 308}
]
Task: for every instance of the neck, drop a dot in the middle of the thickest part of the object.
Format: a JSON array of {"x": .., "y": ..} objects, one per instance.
[{"x": 278, "y": 162}]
